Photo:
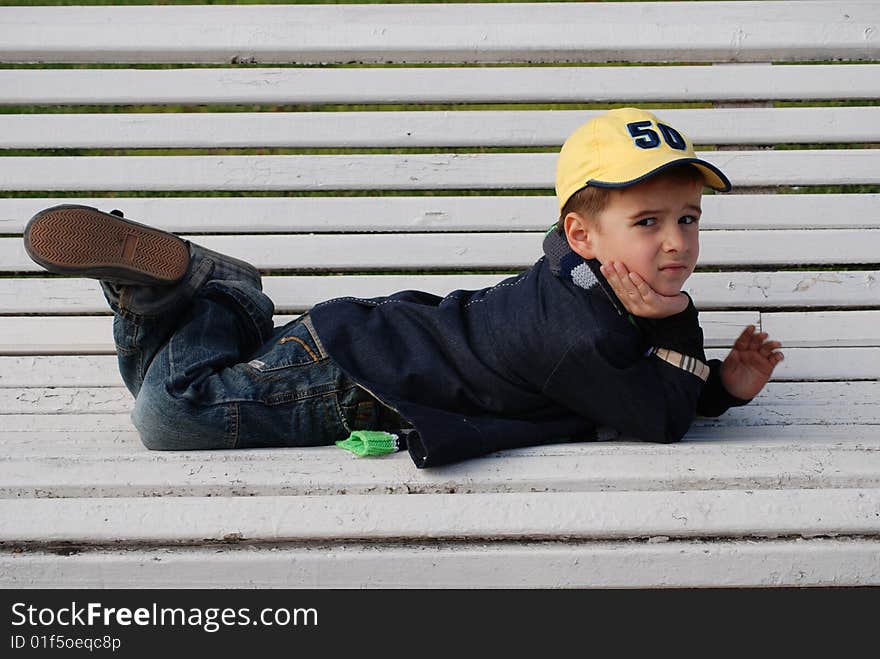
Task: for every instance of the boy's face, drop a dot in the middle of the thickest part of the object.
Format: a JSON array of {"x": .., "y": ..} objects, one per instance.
[{"x": 649, "y": 227}]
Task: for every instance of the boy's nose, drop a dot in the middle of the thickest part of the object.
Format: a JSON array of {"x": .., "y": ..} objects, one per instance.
[{"x": 673, "y": 240}]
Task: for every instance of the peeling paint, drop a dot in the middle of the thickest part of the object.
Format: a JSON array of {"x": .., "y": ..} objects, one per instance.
[
  {"x": 763, "y": 284},
  {"x": 809, "y": 282}
]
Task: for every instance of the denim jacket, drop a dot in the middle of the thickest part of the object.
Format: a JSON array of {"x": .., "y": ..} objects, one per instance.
[{"x": 549, "y": 355}]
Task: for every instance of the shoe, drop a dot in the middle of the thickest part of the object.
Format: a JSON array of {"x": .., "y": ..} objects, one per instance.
[{"x": 85, "y": 242}]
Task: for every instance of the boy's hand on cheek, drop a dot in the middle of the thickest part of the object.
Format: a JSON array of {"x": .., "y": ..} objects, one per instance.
[{"x": 638, "y": 297}]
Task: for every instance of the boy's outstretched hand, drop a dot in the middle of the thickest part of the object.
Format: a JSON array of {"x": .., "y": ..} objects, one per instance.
[{"x": 750, "y": 363}]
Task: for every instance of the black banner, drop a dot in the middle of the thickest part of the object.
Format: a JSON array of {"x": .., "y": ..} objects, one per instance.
[{"x": 125, "y": 623}]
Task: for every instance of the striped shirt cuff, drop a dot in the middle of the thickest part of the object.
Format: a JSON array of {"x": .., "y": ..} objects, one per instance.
[{"x": 684, "y": 362}]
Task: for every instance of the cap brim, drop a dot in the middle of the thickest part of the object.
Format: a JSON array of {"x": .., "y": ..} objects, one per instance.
[{"x": 712, "y": 176}]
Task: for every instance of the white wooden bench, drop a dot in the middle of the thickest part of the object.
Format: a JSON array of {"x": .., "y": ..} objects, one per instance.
[{"x": 784, "y": 491}]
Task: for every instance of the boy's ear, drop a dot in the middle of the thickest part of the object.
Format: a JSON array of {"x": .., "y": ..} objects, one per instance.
[{"x": 579, "y": 235}]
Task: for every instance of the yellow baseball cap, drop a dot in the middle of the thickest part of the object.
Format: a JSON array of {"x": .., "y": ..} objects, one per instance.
[{"x": 622, "y": 147}]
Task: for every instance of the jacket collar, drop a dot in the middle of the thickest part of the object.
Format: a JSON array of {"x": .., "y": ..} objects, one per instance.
[{"x": 568, "y": 265}]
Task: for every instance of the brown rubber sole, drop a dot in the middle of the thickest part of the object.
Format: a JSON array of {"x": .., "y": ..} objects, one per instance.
[{"x": 83, "y": 241}]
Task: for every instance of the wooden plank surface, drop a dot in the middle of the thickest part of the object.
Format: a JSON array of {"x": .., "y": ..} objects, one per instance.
[
  {"x": 754, "y": 427},
  {"x": 801, "y": 363},
  {"x": 297, "y": 293},
  {"x": 547, "y": 564},
  {"x": 442, "y": 171},
  {"x": 93, "y": 334},
  {"x": 101, "y": 370},
  {"x": 75, "y": 371},
  {"x": 824, "y": 328},
  {"x": 555, "y": 32},
  {"x": 799, "y": 403},
  {"x": 820, "y": 363},
  {"x": 449, "y": 251},
  {"x": 832, "y": 125},
  {"x": 77, "y": 335},
  {"x": 524, "y": 515},
  {"x": 29, "y": 335},
  {"x": 56, "y": 454},
  {"x": 100, "y": 455},
  {"x": 545, "y": 84},
  {"x": 430, "y": 214}
]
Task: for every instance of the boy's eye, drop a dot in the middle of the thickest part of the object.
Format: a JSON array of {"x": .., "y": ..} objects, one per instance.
[{"x": 651, "y": 221}]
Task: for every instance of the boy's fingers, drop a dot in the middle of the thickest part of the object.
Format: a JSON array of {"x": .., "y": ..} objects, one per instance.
[
  {"x": 742, "y": 342},
  {"x": 614, "y": 280},
  {"x": 641, "y": 286},
  {"x": 774, "y": 358},
  {"x": 605, "y": 271},
  {"x": 758, "y": 339},
  {"x": 610, "y": 274},
  {"x": 626, "y": 283},
  {"x": 616, "y": 284},
  {"x": 623, "y": 275}
]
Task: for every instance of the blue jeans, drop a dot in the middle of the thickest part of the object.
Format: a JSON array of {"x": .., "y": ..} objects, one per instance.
[{"x": 209, "y": 370}]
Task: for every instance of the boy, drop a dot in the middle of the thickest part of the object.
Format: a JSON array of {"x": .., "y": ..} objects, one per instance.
[{"x": 596, "y": 334}]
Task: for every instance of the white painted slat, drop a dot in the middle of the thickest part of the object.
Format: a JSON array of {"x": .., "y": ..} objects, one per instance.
[
  {"x": 712, "y": 290},
  {"x": 397, "y": 172},
  {"x": 817, "y": 408},
  {"x": 437, "y": 214},
  {"x": 788, "y": 398},
  {"x": 63, "y": 335},
  {"x": 563, "y": 564},
  {"x": 824, "y": 328},
  {"x": 587, "y": 515},
  {"x": 102, "y": 455},
  {"x": 693, "y": 31},
  {"x": 101, "y": 370},
  {"x": 68, "y": 371},
  {"x": 115, "y": 432},
  {"x": 71, "y": 335},
  {"x": 33, "y": 335},
  {"x": 342, "y": 252},
  {"x": 816, "y": 412},
  {"x": 419, "y": 129},
  {"x": 103, "y": 437},
  {"x": 481, "y": 251},
  {"x": 379, "y": 172},
  {"x": 66, "y": 400},
  {"x": 297, "y": 293},
  {"x": 546, "y": 84},
  {"x": 820, "y": 363},
  {"x": 99, "y": 424},
  {"x": 768, "y": 421},
  {"x": 34, "y": 435},
  {"x": 852, "y": 363}
]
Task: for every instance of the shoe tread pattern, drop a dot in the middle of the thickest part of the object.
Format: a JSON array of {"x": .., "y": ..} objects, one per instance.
[{"x": 81, "y": 240}]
